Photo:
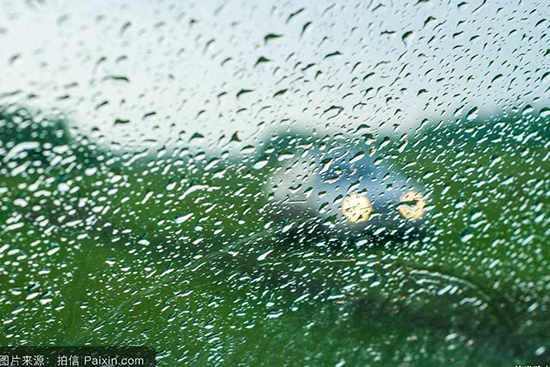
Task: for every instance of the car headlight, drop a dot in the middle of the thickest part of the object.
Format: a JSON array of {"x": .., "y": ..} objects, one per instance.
[
  {"x": 356, "y": 208},
  {"x": 411, "y": 205}
]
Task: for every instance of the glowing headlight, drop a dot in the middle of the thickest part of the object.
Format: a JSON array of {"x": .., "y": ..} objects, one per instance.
[
  {"x": 356, "y": 208},
  {"x": 411, "y": 205}
]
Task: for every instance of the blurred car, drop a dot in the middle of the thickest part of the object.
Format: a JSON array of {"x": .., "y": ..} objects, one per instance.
[{"x": 337, "y": 190}]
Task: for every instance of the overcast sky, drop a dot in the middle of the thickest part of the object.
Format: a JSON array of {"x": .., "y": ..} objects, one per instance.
[{"x": 149, "y": 72}]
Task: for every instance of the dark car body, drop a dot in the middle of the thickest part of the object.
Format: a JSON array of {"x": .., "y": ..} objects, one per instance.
[{"x": 337, "y": 190}]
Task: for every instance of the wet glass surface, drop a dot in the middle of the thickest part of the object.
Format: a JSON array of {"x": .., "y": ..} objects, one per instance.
[{"x": 277, "y": 183}]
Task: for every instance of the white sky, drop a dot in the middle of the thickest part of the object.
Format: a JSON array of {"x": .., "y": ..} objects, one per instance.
[{"x": 398, "y": 62}]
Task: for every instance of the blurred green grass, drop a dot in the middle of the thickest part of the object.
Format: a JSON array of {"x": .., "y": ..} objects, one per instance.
[{"x": 166, "y": 253}]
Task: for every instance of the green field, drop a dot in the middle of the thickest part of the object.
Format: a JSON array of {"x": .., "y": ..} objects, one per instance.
[{"x": 177, "y": 250}]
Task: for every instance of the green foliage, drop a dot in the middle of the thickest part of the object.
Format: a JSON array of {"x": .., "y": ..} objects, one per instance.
[{"x": 180, "y": 253}]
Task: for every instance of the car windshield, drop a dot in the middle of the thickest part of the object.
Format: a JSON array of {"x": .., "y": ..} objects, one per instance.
[{"x": 275, "y": 183}]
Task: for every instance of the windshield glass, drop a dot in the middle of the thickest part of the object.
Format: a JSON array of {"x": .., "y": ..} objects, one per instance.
[{"x": 266, "y": 183}]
